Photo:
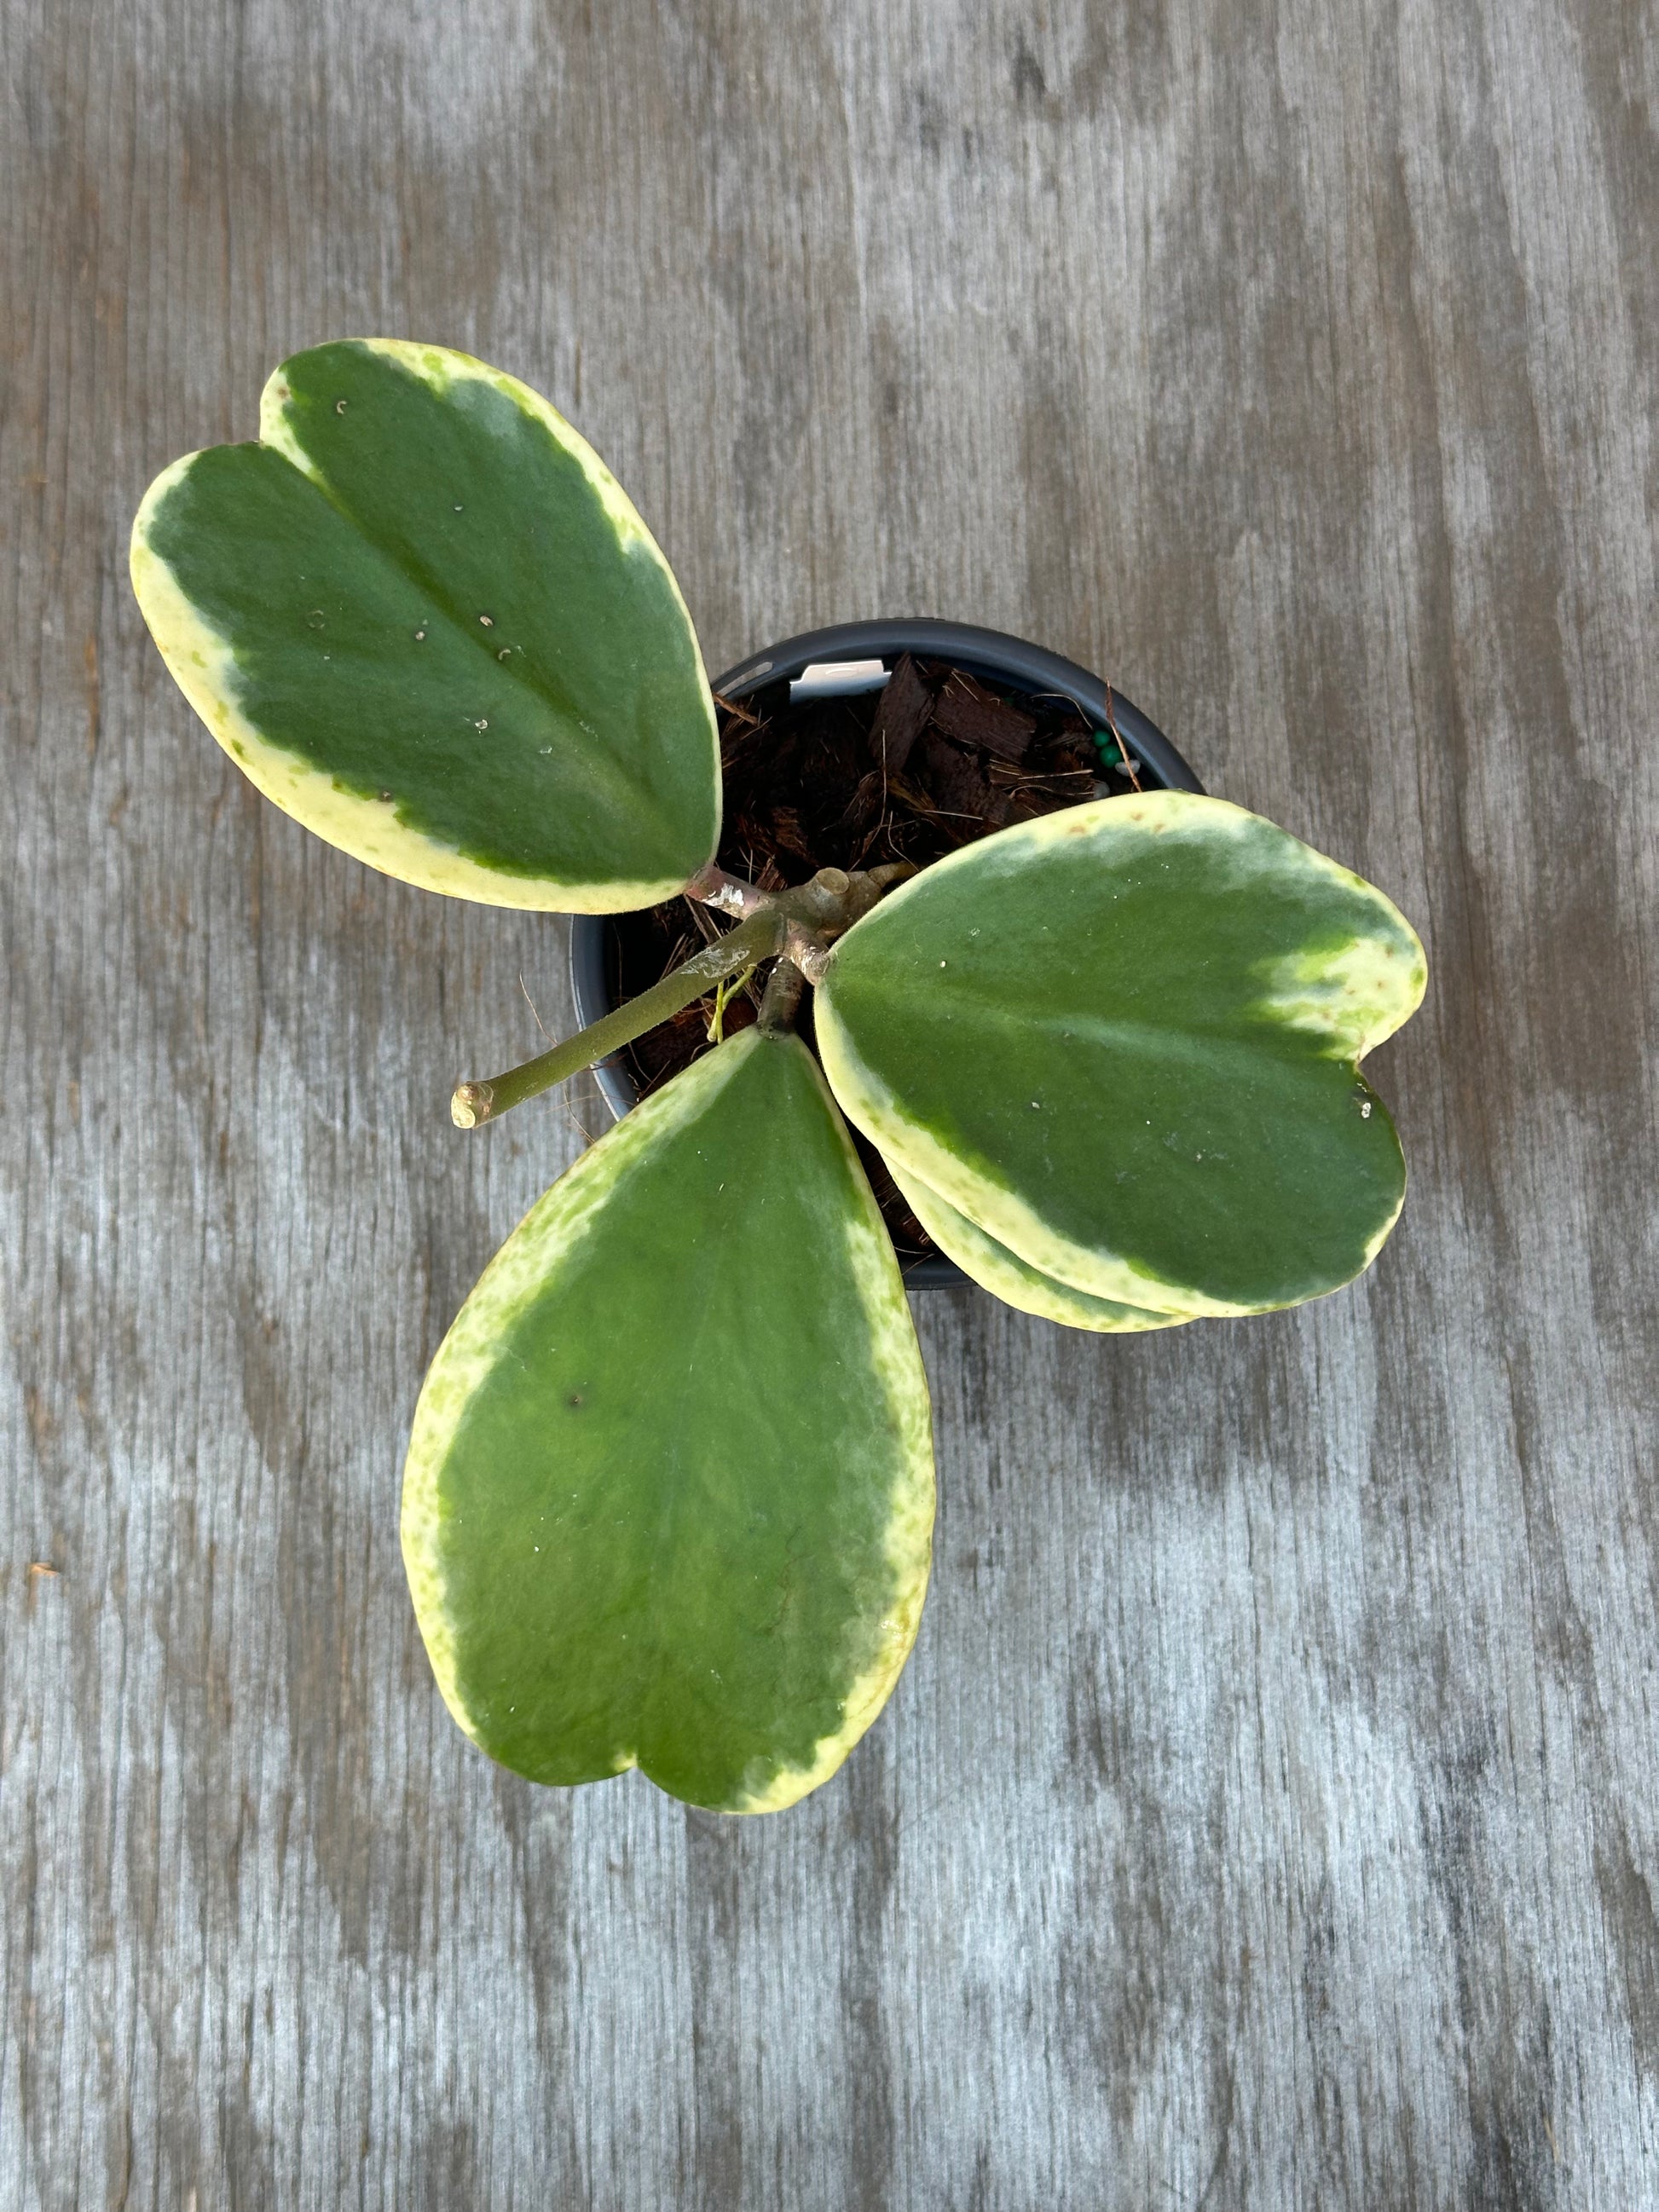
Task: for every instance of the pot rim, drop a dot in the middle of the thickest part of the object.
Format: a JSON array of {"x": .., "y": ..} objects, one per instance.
[{"x": 1009, "y": 660}]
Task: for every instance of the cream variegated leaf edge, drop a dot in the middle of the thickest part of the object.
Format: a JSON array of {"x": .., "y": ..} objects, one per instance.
[
  {"x": 1306, "y": 993},
  {"x": 565, "y": 1214},
  {"x": 1013, "y": 1280},
  {"x": 909, "y": 1539},
  {"x": 203, "y": 662},
  {"x": 997, "y": 1212}
]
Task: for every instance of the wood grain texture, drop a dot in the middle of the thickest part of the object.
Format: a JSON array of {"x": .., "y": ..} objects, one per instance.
[{"x": 1270, "y": 1814}]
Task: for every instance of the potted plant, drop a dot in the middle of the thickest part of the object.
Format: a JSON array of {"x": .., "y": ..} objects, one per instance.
[
  {"x": 668, "y": 1498},
  {"x": 1105, "y": 744}
]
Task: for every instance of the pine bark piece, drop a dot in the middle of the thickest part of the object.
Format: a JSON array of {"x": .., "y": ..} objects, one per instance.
[
  {"x": 903, "y": 709},
  {"x": 970, "y": 715},
  {"x": 959, "y": 790},
  {"x": 864, "y": 805},
  {"x": 787, "y": 834}
]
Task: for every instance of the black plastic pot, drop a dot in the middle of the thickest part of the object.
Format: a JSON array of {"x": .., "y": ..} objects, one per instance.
[{"x": 1007, "y": 662}]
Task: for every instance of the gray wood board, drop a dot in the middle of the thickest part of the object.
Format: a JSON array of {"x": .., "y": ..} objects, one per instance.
[{"x": 1270, "y": 1814}]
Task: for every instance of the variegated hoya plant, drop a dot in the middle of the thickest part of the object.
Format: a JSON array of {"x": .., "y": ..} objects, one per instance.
[{"x": 669, "y": 1496}]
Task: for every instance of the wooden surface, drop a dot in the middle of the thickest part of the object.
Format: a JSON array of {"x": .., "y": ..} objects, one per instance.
[{"x": 1270, "y": 1814}]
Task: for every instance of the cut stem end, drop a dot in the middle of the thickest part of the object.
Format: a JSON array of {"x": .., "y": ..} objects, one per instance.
[{"x": 471, "y": 1104}]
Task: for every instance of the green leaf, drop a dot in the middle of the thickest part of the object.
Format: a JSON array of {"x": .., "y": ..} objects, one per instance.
[
  {"x": 669, "y": 1498},
  {"x": 1014, "y": 1280},
  {"x": 424, "y": 618},
  {"x": 1123, "y": 1041}
]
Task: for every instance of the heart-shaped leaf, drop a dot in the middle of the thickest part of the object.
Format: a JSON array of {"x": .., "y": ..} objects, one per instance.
[
  {"x": 669, "y": 1498},
  {"x": 1123, "y": 1041},
  {"x": 424, "y": 618},
  {"x": 1014, "y": 1280}
]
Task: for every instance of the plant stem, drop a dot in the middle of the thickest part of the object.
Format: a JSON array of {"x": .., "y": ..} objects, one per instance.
[
  {"x": 783, "y": 989},
  {"x": 711, "y": 886},
  {"x": 755, "y": 938},
  {"x": 709, "y": 930},
  {"x": 800, "y": 924}
]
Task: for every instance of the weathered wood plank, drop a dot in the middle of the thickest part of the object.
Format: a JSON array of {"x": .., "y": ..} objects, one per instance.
[{"x": 1271, "y": 1813}]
